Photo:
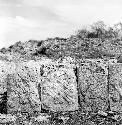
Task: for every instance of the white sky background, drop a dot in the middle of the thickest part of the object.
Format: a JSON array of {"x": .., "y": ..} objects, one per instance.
[{"x": 22, "y": 20}]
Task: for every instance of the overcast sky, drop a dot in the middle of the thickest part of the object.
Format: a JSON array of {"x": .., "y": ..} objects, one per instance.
[{"x": 21, "y": 20}]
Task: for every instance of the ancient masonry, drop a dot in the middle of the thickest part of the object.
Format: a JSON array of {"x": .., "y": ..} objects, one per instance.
[{"x": 62, "y": 85}]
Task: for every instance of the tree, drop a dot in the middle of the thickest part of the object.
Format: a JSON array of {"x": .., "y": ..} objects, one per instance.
[
  {"x": 110, "y": 33},
  {"x": 99, "y": 28},
  {"x": 83, "y": 33},
  {"x": 118, "y": 30}
]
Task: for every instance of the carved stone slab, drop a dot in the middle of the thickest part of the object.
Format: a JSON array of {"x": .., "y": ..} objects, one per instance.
[
  {"x": 22, "y": 87},
  {"x": 59, "y": 91},
  {"x": 92, "y": 86}
]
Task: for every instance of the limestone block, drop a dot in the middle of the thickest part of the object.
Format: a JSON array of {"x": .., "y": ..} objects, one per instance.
[
  {"x": 59, "y": 88},
  {"x": 115, "y": 87},
  {"x": 22, "y": 87},
  {"x": 92, "y": 86},
  {"x": 30, "y": 74},
  {"x": 13, "y": 90}
]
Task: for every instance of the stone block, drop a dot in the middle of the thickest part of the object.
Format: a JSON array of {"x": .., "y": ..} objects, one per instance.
[
  {"x": 115, "y": 87},
  {"x": 92, "y": 86},
  {"x": 59, "y": 88},
  {"x": 22, "y": 88}
]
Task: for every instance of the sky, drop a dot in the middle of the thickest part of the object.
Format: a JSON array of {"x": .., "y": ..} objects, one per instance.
[{"x": 22, "y": 20}]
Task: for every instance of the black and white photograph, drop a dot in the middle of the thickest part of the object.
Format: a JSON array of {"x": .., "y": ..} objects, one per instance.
[{"x": 60, "y": 62}]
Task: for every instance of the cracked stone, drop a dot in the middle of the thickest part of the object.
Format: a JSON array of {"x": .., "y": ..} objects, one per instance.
[
  {"x": 59, "y": 92},
  {"x": 93, "y": 86},
  {"x": 22, "y": 88}
]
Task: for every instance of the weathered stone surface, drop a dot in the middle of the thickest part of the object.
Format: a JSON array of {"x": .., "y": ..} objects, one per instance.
[
  {"x": 29, "y": 72},
  {"x": 7, "y": 119},
  {"x": 92, "y": 84},
  {"x": 22, "y": 88},
  {"x": 49, "y": 83},
  {"x": 17, "y": 94},
  {"x": 53, "y": 85},
  {"x": 115, "y": 87},
  {"x": 59, "y": 91}
]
